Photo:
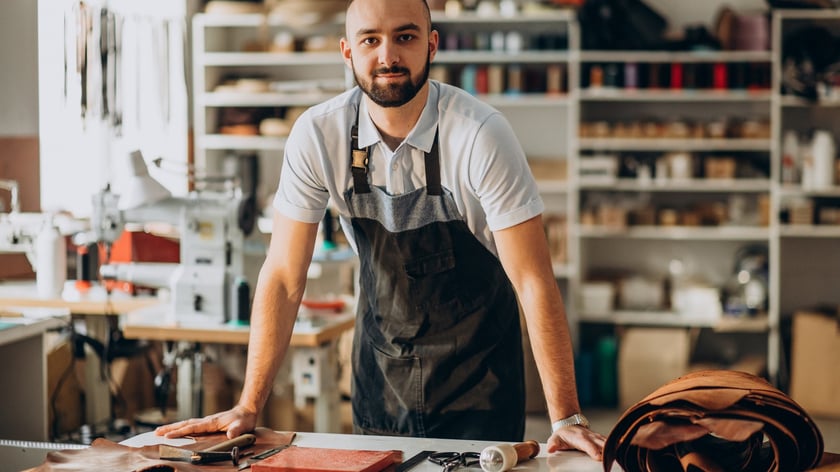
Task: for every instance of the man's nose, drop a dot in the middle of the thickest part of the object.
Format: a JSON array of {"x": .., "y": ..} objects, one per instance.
[{"x": 388, "y": 53}]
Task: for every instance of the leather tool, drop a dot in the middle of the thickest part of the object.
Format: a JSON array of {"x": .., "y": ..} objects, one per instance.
[
  {"x": 715, "y": 420},
  {"x": 413, "y": 461},
  {"x": 227, "y": 450},
  {"x": 258, "y": 457}
]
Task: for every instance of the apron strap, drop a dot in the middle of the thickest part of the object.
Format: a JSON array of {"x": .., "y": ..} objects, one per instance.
[
  {"x": 359, "y": 159},
  {"x": 433, "y": 169}
]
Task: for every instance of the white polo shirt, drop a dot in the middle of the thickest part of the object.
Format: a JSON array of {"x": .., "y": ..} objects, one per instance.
[{"x": 482, "y": 163}]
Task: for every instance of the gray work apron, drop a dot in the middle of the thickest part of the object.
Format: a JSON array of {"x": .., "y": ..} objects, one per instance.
[{"x": 437, "y": 349}]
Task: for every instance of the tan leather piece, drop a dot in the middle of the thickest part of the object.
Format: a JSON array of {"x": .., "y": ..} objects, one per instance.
[
  {"x": 715, "y": 420},
  {"x": 107, "y": 455}
]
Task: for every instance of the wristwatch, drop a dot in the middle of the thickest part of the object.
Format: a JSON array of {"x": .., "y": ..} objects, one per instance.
[{"x": 574, "y": 420}]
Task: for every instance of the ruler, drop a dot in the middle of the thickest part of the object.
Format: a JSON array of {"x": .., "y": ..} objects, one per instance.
[{"x": 40, "y": 445}]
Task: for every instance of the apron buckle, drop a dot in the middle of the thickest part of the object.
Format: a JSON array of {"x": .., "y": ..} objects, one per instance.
[{"x": 360, "y": 159}]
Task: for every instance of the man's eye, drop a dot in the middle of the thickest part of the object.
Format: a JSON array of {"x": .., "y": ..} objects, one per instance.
[
  {"x": 406, "y": 37},
  {"x": 369, "y": 41}
]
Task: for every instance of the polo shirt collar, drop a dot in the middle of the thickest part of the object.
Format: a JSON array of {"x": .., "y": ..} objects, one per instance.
[{"x": 422, "y": 136}]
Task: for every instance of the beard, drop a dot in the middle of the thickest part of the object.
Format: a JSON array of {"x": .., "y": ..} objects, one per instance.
[{"x": 393, "y": 94}]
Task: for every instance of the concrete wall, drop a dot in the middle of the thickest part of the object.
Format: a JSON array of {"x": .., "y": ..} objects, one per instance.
[{"x": 18, "y": 68}]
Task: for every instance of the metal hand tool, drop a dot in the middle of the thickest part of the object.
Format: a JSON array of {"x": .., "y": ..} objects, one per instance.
[
  {"x": 227, "y": 450},
  {"x": 413, "y": 461},
  {"x": 258, "y": 457}
]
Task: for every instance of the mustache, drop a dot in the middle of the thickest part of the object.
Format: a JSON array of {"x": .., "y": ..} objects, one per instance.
[{"x": 391, "y": 70}]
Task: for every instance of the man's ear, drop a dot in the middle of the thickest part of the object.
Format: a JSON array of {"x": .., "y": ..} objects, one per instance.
[{"x": 346, "y": 52}]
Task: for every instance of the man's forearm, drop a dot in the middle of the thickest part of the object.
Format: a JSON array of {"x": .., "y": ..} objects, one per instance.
[
  {"x": 552, "y": 348},
  {"x": 272, "y": 323}
]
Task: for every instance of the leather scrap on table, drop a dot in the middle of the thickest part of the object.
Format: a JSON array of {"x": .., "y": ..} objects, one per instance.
[
  {"x": 716, "y": 420},
  {"x": 108, "y": 455}
]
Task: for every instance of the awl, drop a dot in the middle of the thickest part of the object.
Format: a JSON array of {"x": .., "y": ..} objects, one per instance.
[{"x": 227, "y": 450}]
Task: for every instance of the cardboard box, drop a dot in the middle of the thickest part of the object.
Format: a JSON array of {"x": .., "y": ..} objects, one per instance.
[
  {"x": 648, "y": 358},
  {"x": 815, "y": 354}
]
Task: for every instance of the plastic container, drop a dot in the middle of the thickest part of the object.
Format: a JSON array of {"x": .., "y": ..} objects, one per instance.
[{"x": 51, "y": 262}]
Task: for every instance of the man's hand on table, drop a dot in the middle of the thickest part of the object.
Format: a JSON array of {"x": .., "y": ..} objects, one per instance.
[
  {"x": 580, "y": 438},
  {"x": 234, "y": 422}
]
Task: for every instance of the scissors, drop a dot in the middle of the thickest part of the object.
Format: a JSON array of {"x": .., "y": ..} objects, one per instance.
[{"x": 454, "y": 460}]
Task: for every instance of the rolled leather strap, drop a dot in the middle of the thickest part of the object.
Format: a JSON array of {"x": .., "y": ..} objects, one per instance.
[{"x": 715, "y": 420}]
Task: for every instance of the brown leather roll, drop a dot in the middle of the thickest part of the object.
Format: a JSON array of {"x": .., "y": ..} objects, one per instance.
[
  {"x": 105, "y": 455},
  {"x": 715, "y": 420}
]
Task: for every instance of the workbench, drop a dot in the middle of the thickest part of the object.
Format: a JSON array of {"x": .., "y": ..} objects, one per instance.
[
  {"x": 544, "y": 462},
  {"x": 314, "y": 356},
  {"x": 24, "y": 404},
  {"x": 97, "y": 310}
]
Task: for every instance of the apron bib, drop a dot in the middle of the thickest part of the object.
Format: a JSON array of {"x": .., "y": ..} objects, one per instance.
[{"x": 437, "y": 349}]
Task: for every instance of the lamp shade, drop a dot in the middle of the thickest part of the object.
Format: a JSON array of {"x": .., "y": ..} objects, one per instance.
[{"x": 141, "y": 188}]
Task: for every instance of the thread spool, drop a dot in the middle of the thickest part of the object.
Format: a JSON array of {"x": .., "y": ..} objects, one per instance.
[
  {"x": 502, "y": 457},
  {"x": 631, "y": 71}
]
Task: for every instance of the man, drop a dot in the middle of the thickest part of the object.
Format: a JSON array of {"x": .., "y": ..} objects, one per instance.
[{"x": 435, "y": 194}]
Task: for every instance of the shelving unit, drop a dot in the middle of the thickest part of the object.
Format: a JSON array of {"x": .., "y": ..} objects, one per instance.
[
  {"x": 622, "y": 232},
  {"x": 537, "y": 109},
  {"x": 807, "y": 253},
  {"x": 532, "y": 69},
  {"x": 238, "y": 46}
]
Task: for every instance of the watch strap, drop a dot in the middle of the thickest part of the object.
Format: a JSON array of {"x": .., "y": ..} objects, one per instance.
[{"x": 574, "y": 420}]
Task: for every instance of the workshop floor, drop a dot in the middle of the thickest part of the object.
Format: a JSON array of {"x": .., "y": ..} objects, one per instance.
[{"x": 538, "y": 426}]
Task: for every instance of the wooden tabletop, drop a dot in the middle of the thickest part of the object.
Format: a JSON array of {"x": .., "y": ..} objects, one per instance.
[
  {"x": 151, "y": 323},
  {"x": 24, "y": 294}
]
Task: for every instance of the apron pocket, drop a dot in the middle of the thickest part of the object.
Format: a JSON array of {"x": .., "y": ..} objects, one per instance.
[
  {"x": 388, "y": 396},
  {"x": 430, "y": 265}
]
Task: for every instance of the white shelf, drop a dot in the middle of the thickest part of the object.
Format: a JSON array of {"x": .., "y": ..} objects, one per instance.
[
  {"x": 525, "y": 100},
  {"x": 553, "y": 186},
  {"x": 808, "y": 14},
  {"x": 468, "y": 17},
  {"x": 789, "y": 101},
  {"x": 232, "y": 99},
  {"x": 563, "y": 271},
  {"x": 256, "y": 143},
  {"x": 672, "y": 319},
  {"x": 614, "y": 94},
  {"x": 670, "y": 56},
  {"x": 278, "y": 59},
  {"x": 692, "y": 185},
  {"x": 493, "y": 57},
  {"x": 653, "y": 144},
  {"x": 810, "y": 231},
  {"x": 678, "y": 233},
  {"x": 242, "y": 20},
  {"x": 787, "y": 190}
]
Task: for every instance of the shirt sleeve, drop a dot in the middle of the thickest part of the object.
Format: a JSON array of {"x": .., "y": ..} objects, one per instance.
[
  {"x": 301, "y": 194},
  {"x": 500, "y": 176}
]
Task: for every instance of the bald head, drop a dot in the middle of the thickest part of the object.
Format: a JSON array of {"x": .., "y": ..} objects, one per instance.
[{"x": 402, "y": 4}]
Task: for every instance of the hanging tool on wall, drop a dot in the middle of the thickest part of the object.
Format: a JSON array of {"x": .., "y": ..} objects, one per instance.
[
  {"x": 116, "y": 86},
  {"x": 106, "y": 63},
  {"x": 83, "y": 28}
]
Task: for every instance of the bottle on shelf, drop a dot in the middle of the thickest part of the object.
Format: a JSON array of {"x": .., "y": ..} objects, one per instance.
[{"x": 791, "y": 161}]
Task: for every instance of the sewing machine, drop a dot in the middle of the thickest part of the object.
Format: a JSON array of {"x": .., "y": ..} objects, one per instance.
[
  {"x": 17, "y": 230},
  {"x": 212, "y": 228}
]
